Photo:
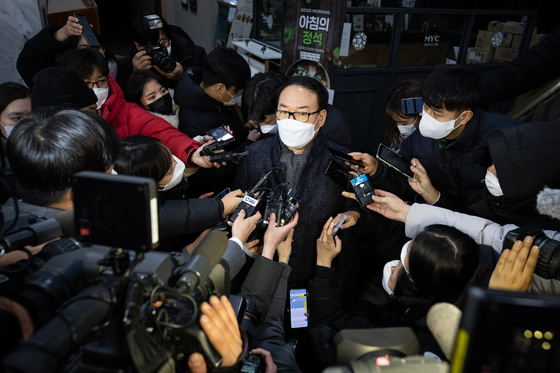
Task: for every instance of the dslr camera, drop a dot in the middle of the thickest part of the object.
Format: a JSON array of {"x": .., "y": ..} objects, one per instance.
[{"x": 160, "y": 57}]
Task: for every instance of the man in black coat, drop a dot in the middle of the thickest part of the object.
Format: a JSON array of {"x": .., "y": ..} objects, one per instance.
[{"x": 299, "y": 153}]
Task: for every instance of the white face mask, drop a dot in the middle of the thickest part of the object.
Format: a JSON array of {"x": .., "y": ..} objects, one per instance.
[
  {"x": 7, "y": 129},
  {"x": 296, "y": 134},
  {"x": 113, "y": 172},
  {"x": 407, "y": 129},
  {"x": 168, "y": 50},
  {"x": 177, "y": 175},
  {"x": 434, "y": 129},
  {"x": 234, "y": 99},
  {"x": 271, "y": 128},
  {"x": 102, "y": 94},
  {"x": 493, "y": 184},
  {"x": 387, "y": 274}
]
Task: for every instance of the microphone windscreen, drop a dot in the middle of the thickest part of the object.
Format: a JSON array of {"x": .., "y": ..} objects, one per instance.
[
  {"x": 548, "y": 202},
  {"x": 443, "y": 321},
  {"x": 212, "y": 247},
  {"x": 66, "y": 221}
]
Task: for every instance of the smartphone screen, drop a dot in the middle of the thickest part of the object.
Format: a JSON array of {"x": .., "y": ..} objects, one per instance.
[
  {"x": 337, "y": 227},
  {"x": 394, "y": 160},
  {"x": 412, "y": 105},
  {"x": 298, "y": 308},
  {"x": 88, "y": 32},
  {"x": 220, "y": 134},
  {"x": 222, "y": 194},
  {"x": 336, "y": 172},
  {"x": 342, "y": 156}
]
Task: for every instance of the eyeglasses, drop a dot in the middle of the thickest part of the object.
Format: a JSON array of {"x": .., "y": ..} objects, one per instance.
[
  {"x": 101, "y": 83},
  {"x": 164, "y": 42},
  {"x": 300, "y": 117}
]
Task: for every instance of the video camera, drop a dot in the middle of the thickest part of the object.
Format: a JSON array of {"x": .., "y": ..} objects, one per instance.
[
  {"x": 548, "y": 264},
  {"x": 114, "y": 305},
  {"x": 160, "y": 58}
]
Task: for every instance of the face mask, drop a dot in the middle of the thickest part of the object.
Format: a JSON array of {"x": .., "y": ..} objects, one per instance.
[
  {"x": 407, "y": 129},
  {"x": 7, "y": 129},
  {"x": 113, "y": 172},
  {"x": 434, "y": 129},
  {"x": 271, "y": 128},
  {"x": 177, "y": 175},
  {"x": 102, "y": 94},
  {"x": 234, "y": 99},
  {"x": 163, "y": 105},
  {"x": 387, "y": 274},
  {"x": 294, "y": 133},
  {"x": 493, "y": 184},
  {"x": 404, "y": 251}
]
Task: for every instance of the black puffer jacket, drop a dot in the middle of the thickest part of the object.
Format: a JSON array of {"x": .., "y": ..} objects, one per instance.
[
  {"x": 452, "y": 171},
  {"x": 527, "y": 158}
]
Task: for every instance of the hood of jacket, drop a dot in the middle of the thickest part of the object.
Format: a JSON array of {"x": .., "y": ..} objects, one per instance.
[{"x": 526, "y": 158}]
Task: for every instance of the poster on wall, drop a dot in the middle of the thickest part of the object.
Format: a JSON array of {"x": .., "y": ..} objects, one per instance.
[
  {"x": 312, "y": 32},
  {"x": 242, "y": 22}
]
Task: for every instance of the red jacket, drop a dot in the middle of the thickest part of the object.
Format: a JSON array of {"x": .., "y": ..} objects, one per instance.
[{"x": 130, "y": 119}]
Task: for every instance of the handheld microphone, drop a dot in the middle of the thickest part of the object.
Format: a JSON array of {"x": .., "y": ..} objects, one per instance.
[{"x": 250, "y": 203}]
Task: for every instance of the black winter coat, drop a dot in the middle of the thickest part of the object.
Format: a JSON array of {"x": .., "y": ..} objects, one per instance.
[
  {"x": 527, "y": 158},
  {"x": 452, "y": 171},
  {"x": 319, "y": 196}
]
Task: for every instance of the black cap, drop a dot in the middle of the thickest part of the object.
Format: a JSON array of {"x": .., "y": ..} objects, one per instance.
[{"x": 56, "y": 86}]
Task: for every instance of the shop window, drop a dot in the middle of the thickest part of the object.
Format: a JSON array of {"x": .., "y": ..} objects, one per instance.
[{"x": 269, "y": 21}]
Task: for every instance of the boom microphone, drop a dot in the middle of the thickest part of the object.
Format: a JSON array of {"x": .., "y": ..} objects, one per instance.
[
  {"x": 443, "y": 321},
  {"x": 548, "y": 202}
]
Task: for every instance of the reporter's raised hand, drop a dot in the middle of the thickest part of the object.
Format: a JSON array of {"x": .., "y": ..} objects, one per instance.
[
  {"x": 421, "y": 183},
  {"x": 71, "y": 28},
  {"x": 220, "y": 325},
  {"x": 275, "y": 235},
  {"x": 141, "y": 61},
  {"x": 242, "y": 228},
  {"x": 389, "y": 205},
  {"x": 514, "y": 271},
  {"x": 231, "y": 201},
  {"x": 284, "y": 248},
  {"x": 328, "y": 247},
  {"x": 369, "y": 163},
  {"x": 352, "y": 218},
  {"x": 203, "y": 160}
]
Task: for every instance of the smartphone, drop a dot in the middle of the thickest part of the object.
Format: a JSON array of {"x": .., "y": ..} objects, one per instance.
[
  {"x": 343, "y": 156},
  {"x": 337, "y": 227},
  {"x": 220, "y": 134},
  {"x": 394, "y": 160},
  {"x": 222, "y": 194},
  {"x": 87, "y": 31},
  {"x": 336, "y": 173},
  {"x": 298, "y": 308},
  {"x": 412, "y": 105}
]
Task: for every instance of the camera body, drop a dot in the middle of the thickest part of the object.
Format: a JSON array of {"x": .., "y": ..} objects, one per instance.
[
  {"x": 160, "y": 57},
  {"x": 548, "y": 264}
]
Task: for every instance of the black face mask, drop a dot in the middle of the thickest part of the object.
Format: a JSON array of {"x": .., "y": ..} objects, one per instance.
[{"x": 163, "y": 105}]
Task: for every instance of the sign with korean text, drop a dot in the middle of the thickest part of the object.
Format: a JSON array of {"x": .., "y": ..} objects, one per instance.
[{"x": 312, "y": 31}]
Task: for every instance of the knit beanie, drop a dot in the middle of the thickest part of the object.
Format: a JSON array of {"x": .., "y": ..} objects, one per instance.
[{"x": 55, "y": 86}]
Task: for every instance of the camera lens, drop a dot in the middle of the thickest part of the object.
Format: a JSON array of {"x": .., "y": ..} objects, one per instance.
[{"x": 548, "y": 264}]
